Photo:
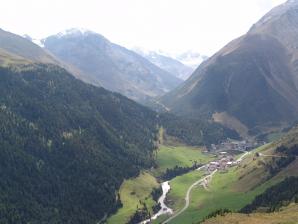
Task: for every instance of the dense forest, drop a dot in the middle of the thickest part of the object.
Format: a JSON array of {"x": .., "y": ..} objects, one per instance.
[
  {"x": 275, "y": 197},
  {"x": 218, "y": 212},
  {"x": 65, "y": 146},
  {"x": 195, "y": 131},
  {"x": 290, "y": 151},
  {"x": 277, "y": 164},
  {"x": 178, "y": 171}
]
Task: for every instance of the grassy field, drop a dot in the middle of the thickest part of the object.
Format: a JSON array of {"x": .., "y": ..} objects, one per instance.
[
  {"x": 7, "y": 59},
  {"x": 184, "y": 156},
  {"x": 131, "y": 193},
  {"x": 288, "y": 215},
  {"x": 233, "y": 189},
  {"x": 220, "y": 195},
  {"x": 179, "y": 186},
  {"x": 134, "y": 190}
]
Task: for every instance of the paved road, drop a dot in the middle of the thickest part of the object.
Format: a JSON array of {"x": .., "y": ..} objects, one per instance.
[
  {"x": 242, "y": 157},
  {"x": 187, "y": 197},
  {"x": 205, "y": 181}
]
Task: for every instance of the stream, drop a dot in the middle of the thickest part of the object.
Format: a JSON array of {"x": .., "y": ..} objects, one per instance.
[
  {"x": 164, "y": 208},
  {"x": 166, "y": 188}
]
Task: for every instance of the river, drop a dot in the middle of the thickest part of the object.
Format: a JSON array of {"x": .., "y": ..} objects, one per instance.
[
  {"x": 164, "y": 208},
  {"x": 166, "y": 188}
]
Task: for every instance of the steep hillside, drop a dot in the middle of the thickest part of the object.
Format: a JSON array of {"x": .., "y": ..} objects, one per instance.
[
  {"x": 274, "y": 198},
  {"x": 286, "y": 216},
  {"x": 278, "y": 204},
  {"x": 66, "y": 146},
  {"x": 21, "y": 48},
  {"x": 195, "y": 131},
  {"x": 274, "y": 166},
  {"x": 167, "y": 63},
  {"x": 253, "y": 80},
  {"x": 111, "y": 66}
]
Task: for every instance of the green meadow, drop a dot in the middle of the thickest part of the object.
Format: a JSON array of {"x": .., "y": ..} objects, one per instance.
[
  {"x": 132, "y": 192},
  {"x": 232, "y": 189},
  {"x": 184, "y": 156}
]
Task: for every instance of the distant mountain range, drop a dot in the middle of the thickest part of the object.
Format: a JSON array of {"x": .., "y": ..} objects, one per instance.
[
  {"x": 168, "y": 64},
  {"x": 137, "y": 74},
  {"x": 181, "y": 65},
  {"x": 191, "y": 58},
  {"x": 251, "y": 84},
  {"x": 102, "y": 63}
]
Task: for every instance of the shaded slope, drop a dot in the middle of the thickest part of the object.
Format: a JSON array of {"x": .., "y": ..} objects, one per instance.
[
  {"x": 109, "y": 65},
  {"x": 68, "y": 144},
  {"x": 286, "y": 216},
  {"x": 253, "y": 78},
  {"x": 23, "y": 48}
]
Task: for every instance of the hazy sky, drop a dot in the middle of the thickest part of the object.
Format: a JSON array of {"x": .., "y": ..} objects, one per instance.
[{"x": 169, "y": 25}]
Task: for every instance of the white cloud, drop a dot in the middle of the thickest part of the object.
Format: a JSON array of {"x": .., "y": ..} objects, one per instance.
[{"x": 171, "y": 25}]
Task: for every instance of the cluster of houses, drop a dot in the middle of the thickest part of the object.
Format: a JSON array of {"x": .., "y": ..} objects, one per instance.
[
  {"x": 225, "y": 161},
  {"x": 225, "y": 153},
  {"x": 230, "y": 144}
]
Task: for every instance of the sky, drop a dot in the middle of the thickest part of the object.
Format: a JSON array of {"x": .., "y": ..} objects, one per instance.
[{"x": 173, "y": 26}]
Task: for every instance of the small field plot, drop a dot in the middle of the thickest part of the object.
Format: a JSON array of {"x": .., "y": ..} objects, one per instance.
[
  {"x": 132, "y": 192},
  {"x": 169, "y": 156}
]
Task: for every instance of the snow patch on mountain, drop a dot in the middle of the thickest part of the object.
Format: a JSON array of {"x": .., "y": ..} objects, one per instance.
[
  {"x": 191, "y": 58},
  {"x": 179, "y": 65},
  {"x": 36, "y": 41},
  {"x": 74, "y": 32}
]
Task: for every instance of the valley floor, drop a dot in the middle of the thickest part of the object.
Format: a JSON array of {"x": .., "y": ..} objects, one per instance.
[
  {"x": 231, "y": 189},
  {"x": 192, "y": 198},
  {"x": 137, "y": 191}
]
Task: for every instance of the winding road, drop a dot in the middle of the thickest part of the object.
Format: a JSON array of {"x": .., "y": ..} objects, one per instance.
[
  {"x": 204, "y": 180},
  {"x": 241, "y": 157}
]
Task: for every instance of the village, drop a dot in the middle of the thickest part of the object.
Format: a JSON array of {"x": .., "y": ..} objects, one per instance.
[
  {"x": 229, "y": 144},
  {"x": 226, "y": 152}
]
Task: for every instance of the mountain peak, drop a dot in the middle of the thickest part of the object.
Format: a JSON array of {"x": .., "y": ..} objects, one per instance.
[
  {"x": 283, "y": 16},
  {"x": 109, "y": 65},
  {"x": 259, "y": 67},
  {"x": 75, "y": 32}
]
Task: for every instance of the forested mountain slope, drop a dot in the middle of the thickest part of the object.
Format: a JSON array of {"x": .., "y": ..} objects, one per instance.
[{"x": 66, "y": 146}]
